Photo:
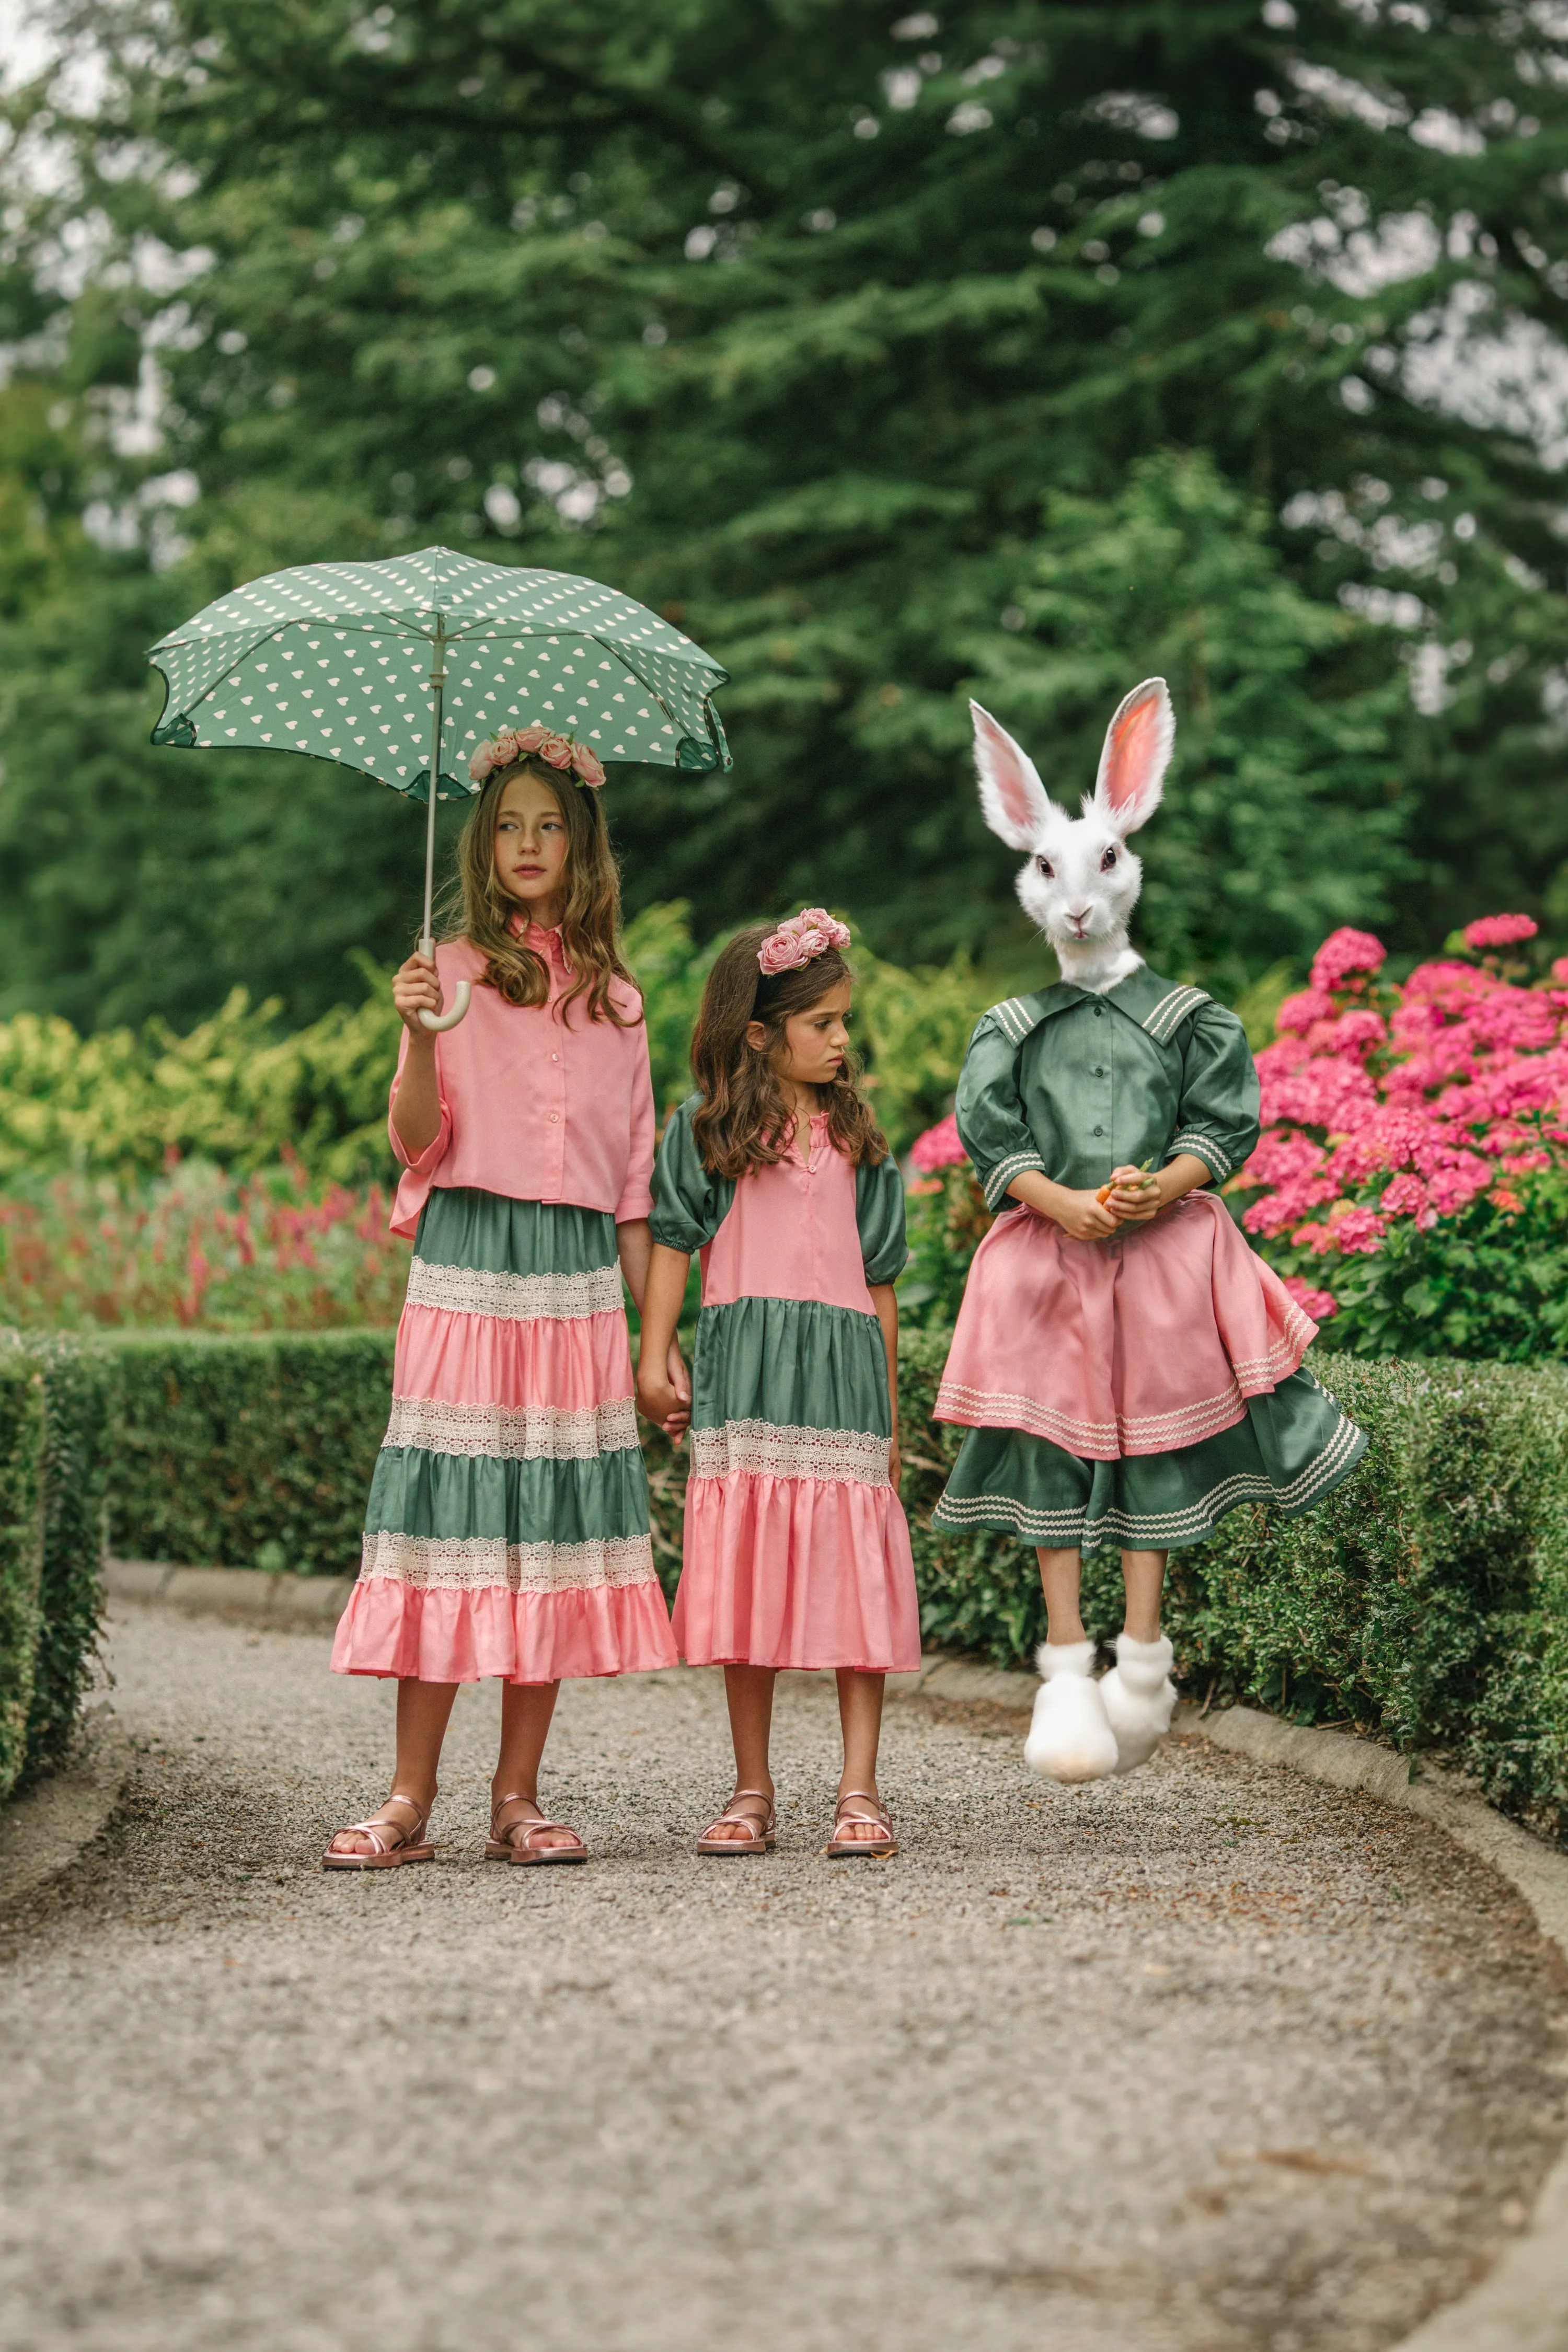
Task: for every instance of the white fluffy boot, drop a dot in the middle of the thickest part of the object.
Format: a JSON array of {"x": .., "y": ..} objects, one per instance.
[
  {"x": 1138, "y": 1696},
  {"x": 1071, "y": 1739}
]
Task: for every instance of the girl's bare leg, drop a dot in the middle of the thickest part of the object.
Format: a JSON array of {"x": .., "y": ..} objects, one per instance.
[
  {"x": 1143, "y": 1573},
  {"x": 860, "y": 1718},
  {"x": 526, "y": 1710},
  {"x": 1061, "y": 1573},
  {"x": 748, "y": 1691},
  {"x": 422, "y": 1711}
]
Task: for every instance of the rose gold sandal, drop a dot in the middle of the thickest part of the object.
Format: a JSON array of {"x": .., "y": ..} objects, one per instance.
[
  {"x": 759, "y": 1837},
  {"x": 871, "y": 1849},
  {"x": 508, "y": 1846},
  {"x": 384, "y": 1855}
]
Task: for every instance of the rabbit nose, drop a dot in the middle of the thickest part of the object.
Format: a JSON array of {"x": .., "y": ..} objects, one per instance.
[{"x": 1079, "y": 915}]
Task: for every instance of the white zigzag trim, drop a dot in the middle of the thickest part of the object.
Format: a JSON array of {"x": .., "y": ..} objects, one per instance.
[
  {"x": 1155, "y": 1529},
  {"x": 766, "y": 1449},
  {"x": 1170, "y": 1012},
  {"x": 1204, "y": 1147},
  {"x": 1017, "y": 1163},
  {"x": 483, "y": 1563},
  {"x": 1103, "y": 1441},
  {"x": 515, "y": 1297},
  {"x": 513, "y": 1433},
  {"x": 1014, "y": 1019}
]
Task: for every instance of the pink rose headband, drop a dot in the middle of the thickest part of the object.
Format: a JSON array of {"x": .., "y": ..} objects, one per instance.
[
  {"x": 514, "y": 743},
  {"x": 806, "y": 935}
]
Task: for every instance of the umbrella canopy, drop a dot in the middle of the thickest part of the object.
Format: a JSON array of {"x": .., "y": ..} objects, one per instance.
[
  {"x": 335, "y": 660},
  {"x": 400, "y": 668}
]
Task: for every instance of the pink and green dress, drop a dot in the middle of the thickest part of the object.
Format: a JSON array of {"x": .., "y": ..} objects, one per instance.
[
  {"x": 1131, "y": 1391},
  {"x": 507, "y": 1532},
  {"x": 796, "y": 1549}
]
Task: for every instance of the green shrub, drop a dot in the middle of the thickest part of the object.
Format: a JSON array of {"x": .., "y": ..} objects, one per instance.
[
  {"x": 1426, "y": 1599},
  {"x": 56, "y": 1400},
  {"x": 80, "y": 1395},
  {"x": 21, "y": 1551},
  {"x": 248, "y": 1452}
]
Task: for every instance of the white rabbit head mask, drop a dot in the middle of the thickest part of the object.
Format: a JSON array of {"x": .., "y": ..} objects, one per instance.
[{"x": 1081, "y": 882}]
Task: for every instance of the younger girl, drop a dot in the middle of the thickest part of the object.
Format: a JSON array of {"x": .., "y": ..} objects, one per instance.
[
  {"x": 796, "y": 1552},
  {"x": 507, "y": 1528}
]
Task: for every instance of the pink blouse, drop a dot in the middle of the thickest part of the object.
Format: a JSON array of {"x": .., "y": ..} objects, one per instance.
[
  {"x": 791, "y": 1233},
  {"x": 534, "y": 1107}
]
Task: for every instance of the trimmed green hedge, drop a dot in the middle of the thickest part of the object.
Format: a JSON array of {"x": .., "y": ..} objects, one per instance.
[
  {"x": 251, "y": 1452},
  {"x": 1426, "y": 1601},
  {"x": 57, "y": 1413}
]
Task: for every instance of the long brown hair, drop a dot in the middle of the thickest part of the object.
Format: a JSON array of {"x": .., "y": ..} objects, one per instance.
[
  {"x": 745, "y": 1118},
  {"x": 476, "y": 909}
]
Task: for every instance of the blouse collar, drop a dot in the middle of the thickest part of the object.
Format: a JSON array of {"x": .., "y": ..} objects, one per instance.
[{"x": 545, "y": 943}]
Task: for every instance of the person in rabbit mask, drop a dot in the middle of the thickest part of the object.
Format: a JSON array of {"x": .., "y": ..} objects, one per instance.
[{"x": 1127, "y": 1369}]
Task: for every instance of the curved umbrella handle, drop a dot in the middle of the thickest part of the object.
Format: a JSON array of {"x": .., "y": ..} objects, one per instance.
[
  {"x": 460, "y": 996},
  {"x": 459, "y": 1008},
  {"x": 449, "y": 1020}
]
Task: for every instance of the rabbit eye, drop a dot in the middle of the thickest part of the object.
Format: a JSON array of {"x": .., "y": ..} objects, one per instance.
[
  {"x": 1108, "y": 861},
  {"x": 1046, "y": 868}
]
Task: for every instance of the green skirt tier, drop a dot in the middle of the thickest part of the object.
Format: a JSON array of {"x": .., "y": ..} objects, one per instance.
[{"x": 1293, "y": 1447}]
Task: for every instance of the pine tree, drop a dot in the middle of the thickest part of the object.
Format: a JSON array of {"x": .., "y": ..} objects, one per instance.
[{"x": 869, "y": 350}]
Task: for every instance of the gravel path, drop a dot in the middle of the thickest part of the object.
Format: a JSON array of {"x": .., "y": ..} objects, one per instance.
[{"x": 1211, "y": 2059}]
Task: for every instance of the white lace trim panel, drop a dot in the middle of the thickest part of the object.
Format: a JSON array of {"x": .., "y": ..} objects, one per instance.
[
  {"x": 500, "y": 1432},
  {"x": 515, "y": 1297},
  {"x": 481, "y": 1563},
  {"x": 765, "y": 1450}
]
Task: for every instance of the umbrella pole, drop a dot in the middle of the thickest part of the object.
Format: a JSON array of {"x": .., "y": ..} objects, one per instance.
[{"x": 426, "y": 939}]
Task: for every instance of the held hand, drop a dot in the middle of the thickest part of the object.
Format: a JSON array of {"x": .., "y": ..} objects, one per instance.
[
  {"x": 1085, "y": 1217},
  {"x": 679, "y": 1380},
  {"x": 415, "y": 989},
  {"x": 661, "y": 1403},
  {"x": 895, "y": 1464}
]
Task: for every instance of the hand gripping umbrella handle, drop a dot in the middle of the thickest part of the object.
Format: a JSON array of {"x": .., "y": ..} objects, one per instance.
[{"x": 460, "y": 996}]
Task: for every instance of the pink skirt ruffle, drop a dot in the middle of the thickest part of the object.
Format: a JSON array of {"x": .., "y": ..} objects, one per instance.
[
  {"x": 442, "y": 1635},
  {"x": 1140, "y": 1345},
  {"x": 571, "y": 1362},
  {"x": 802, "y": 1572}
]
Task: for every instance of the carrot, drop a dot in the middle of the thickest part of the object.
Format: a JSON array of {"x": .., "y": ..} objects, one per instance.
[{"x": 1107, "y": 1189}]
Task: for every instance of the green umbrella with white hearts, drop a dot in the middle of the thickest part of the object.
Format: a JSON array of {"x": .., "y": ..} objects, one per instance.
[{"x": 401, "y": 669}]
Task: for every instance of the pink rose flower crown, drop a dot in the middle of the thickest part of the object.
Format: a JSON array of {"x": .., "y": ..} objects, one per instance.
[
  {"x": 514, "y": 743},
  {"x": 800, "y": 940}
]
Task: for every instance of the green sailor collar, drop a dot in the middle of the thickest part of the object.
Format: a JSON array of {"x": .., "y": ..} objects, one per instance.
[{"x": 1158, "y": 1006}]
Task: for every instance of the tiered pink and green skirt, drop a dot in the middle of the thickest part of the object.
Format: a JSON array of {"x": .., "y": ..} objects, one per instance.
[
  {"x": 507, "y": 1532},
  {"x": 796, "y": 1549}
]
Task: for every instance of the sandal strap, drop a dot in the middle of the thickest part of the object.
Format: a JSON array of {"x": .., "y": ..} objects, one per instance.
[
  {"x": 880, "y": 1815},
  {"x": 373, "y": 1828},
  {"x": 508, "y": 1836},
  {"x": 757, "y": 1829}
]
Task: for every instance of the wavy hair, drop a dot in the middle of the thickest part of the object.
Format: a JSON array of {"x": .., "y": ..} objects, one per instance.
[
  {"x": 745, "y": 1117},
  {"x": 476, "y": 909}
]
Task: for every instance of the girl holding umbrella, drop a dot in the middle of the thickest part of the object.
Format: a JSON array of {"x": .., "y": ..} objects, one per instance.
[{"x": 507, "y": 1527}]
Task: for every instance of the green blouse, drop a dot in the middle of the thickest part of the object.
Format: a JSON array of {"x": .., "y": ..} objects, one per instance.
[{"x": 1074, "y": 1085}]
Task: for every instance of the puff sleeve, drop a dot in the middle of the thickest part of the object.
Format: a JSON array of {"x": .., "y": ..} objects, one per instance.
[
  {"x": 689, "y": 1204},
  {"x": 1217, "y": 1112},
  {"x": 990, "y": 1112},
  {"x": 879, "y": 1214}
]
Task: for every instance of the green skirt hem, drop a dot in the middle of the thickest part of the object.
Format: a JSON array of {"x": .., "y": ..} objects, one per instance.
[{"x": 1293, "y": 1448}]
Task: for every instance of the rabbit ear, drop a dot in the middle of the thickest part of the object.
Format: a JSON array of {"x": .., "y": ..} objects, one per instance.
[
  {"x": 1137, "y": 752},
  {"x": 1010, "y": 793}
]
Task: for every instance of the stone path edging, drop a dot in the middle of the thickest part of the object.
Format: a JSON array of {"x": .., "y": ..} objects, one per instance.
[
  {"x": 1521, "y": 2305},
  {"x": 43, "y": 1832}
]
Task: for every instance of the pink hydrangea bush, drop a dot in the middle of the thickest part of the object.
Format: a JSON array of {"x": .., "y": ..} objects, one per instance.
[{"x": 1423, "y": 1126}]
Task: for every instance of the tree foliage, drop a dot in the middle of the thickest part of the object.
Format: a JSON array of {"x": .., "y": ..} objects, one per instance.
[{"x": 1017, "y": 353}]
